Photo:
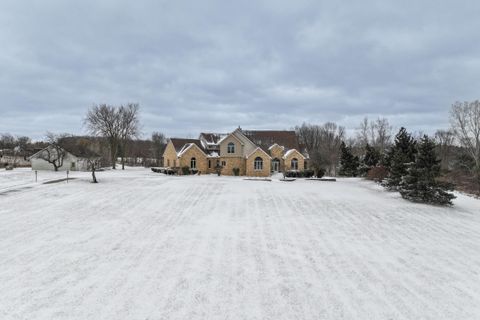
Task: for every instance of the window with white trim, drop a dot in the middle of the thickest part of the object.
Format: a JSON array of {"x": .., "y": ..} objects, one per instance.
[
  {"x": 193, "y": 163},
  {"x": 294, "y": 164},
  {"x": 258, "y": 164},
  {"x": 231, "y": 148}
]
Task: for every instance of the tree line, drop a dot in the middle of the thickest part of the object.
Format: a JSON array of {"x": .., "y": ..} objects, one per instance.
[
  {"x": 421, "y": 168},
  {"x": 372, "y": 152},
  {"x": 114, "y": 133}
]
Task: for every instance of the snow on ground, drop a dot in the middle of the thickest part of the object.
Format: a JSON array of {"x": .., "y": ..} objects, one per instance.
[{"x": 141, "y": 245}]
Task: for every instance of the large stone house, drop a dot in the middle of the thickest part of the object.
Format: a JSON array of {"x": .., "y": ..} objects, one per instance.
[{"x": 251, "y": 152}]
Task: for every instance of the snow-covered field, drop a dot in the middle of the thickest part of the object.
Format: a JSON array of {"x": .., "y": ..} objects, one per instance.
[{"x": 141, "y": 245}]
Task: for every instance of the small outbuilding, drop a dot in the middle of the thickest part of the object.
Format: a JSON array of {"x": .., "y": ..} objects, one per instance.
[{"x": 57, "y": 158}]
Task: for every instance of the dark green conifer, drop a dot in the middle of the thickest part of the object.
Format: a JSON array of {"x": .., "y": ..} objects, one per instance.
[
  {"x": 420, "y": 183},
  {"x": 399, "y": 157},
  {"x": 348, "y": 162}
]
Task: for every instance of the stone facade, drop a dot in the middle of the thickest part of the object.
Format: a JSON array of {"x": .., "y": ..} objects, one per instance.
[
  {"x": 251, "y": 171},
  {"x": 276, "y": 152},
  {"x": 229, "y": 163},
  {"x": 200, "y": 157},
  {"x": 294, "y": 154},
  {"x": 237, "y": 149},
  {"x": 170, "y": 158}
]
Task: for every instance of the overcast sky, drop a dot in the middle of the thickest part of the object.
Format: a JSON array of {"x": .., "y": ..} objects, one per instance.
[{"x": 214, "y": 65}]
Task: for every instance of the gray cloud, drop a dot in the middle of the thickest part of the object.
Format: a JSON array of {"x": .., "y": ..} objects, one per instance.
[{"x": 215, "y": 65}]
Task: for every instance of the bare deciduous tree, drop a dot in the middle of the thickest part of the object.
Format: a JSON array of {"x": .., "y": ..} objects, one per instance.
[
  {"x": 383, "y": 131},
  {"x": 310, "y": 137},
  {"x": 465, "y": 121},
  {"x": 54, "y": 153},
  {"x": 323, "y": 144},
  {"x": 159, "y": 142},
  {"x": 364, "y": 132},
  {"x": 105, "y": 121},
  {"x": 376, "y": 133},
  {"x": 84, "y": 146},
  {"x": 21, "y": 144},
  {"x": 129, "y": 126},
  {"x": 444, "y": 140},
  {"x": 332, "y": 137},
  {"x": 7, "y": 141}
]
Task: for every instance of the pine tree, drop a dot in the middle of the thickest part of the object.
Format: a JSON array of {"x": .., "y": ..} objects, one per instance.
[
  {"x": 402, "y": 153},
  {"x": 372, "y": 156},
  {"x": 348, "y": 162},
  {"x": 420, "y": 184},
  {"x": 370, "y": 160}
]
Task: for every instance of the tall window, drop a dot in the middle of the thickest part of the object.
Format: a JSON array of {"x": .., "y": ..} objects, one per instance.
[
  {"x": 258, "y": 163},
  {"x": 294, "y": 164},
  {"x": 209, "y": 163},
  {"x": 231, "y": 148},
  {"x": 168, "y": 162},
  {"x": 193, "y": 163}
]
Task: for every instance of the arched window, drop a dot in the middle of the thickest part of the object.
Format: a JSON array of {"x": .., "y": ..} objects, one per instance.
[
  {"x": 258, "y": 163},
  {"x": 231, "y": 148},
  {"x": 294, "y": 165},
  {"x": 193, "y": 163}
]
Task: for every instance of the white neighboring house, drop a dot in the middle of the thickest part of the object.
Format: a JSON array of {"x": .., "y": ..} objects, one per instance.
[{"x": 74, "y": 160}]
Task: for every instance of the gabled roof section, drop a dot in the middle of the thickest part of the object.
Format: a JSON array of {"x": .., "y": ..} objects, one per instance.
[
  {"x": 289, "y": 152},
  {"x": 73, "y": 145},
  {"x": 179, "y": 143},
  {"x": 276, "y": 145},
  {"x": 187, "y": 147},
  {"x": 256, "y": 149},
  {"x": 230, "y": 135}
]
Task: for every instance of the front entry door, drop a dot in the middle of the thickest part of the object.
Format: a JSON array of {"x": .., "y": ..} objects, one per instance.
[{"x": 276, "y": 165}]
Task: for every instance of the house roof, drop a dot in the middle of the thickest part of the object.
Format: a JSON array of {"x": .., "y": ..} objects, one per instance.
[
  {"x": 257, "y": 149},
  {"x": 266, "y": 138},
  {"x": 289, "y": 152},
  {"x": 275, "y": 145},
  {"x": 211, "y": 137},
  {"x": 78, "y": 150},
  {"x": 187, "y": 147},
  {"x": 179, "y": 143}
]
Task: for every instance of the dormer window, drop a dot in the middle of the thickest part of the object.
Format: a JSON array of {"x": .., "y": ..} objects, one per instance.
[{"x": 231, "y": 148}]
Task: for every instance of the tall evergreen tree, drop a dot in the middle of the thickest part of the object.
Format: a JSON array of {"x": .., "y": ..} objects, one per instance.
[
  {"x": 399, "y": 156},
  {"x": 348, "y": 162},
  {"x": 372, "y": 156},
  {"x": 420, "y": 183},
  {"x": 370, "y": 159}
]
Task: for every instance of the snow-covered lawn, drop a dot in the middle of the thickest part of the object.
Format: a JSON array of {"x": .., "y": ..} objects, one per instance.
[{"x": 141, "y": 245}]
